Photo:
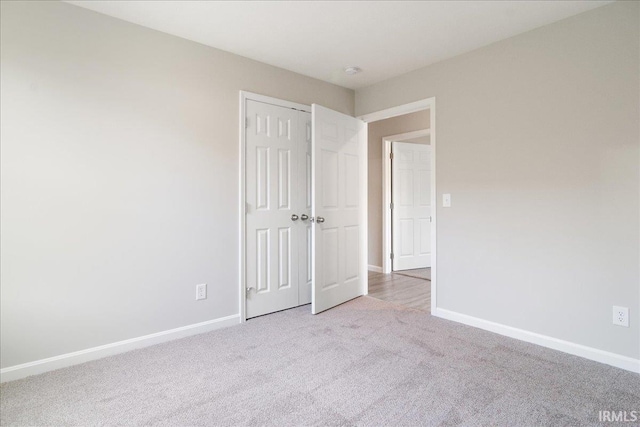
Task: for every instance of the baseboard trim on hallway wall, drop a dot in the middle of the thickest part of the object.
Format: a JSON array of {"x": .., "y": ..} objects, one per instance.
[
  {"x": 608, "y": 358},
  {"x": 49, "y": 364},
  {"x": 375, "y": 268}
]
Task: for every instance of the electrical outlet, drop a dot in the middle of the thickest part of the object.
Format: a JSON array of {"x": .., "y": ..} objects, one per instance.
[
  {"x": 621, "y": 316},
  {"x": 201, "y": 291}
]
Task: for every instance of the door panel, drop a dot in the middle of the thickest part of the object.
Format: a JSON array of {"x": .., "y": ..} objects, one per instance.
[
  {"x": 339, "y": 192},
  {"x": 262, "y": 277},
  {"x": 284, "y": 179},
  {"x": 329, "y": 178},
  {"x": 284, "y": 258},
  {"x": 352, "y": 252},
  {"x": 330, "y": 276},
  {"x": 262, "y": 178},
  {"x": 411, "y": 198},
  {"x": 405, "y": 238}
]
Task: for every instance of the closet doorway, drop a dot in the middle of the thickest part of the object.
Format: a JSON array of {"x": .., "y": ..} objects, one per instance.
[{"x": 303, "y": 206}]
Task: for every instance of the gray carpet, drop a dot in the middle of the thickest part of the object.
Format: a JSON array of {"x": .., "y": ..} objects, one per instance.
[
  {"x": 418, "y": 273},
  {"x": 367, "y": 362}
]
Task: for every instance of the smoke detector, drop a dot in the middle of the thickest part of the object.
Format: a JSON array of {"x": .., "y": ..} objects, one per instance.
[{"x": 352, "y": 70}]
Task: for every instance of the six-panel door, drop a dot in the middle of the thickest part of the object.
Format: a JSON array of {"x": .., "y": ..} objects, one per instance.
[
  {"x": 411, "y": 213},
  {"x": 340, "y": 203},
  {"x": 278, "y": 198}
]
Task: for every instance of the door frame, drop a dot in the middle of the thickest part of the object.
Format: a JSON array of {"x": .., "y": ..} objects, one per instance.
[
  {"x": 242, "y": 206},
  {"x": 412, "y": 107},
  {"x": 387, "y": 238}
]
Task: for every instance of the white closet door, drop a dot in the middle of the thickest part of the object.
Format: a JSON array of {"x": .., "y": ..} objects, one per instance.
[
  {"x": 411, "y": 198},
  {"x": 272, "y": 155},
  {"x": 339, "y": 208}
]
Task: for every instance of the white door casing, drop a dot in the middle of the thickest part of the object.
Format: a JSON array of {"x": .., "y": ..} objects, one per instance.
[
  {"x": 274, "y": 175},
  {"x": 411, "y": 201},
  {"x": 339, "y": 208},
  {"x": 420, "y": 105}
]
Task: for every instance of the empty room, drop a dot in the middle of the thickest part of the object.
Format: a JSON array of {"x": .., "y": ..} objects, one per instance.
[{"x": 293, "y": 213}]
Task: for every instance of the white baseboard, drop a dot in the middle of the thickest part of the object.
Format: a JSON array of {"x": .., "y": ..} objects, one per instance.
[
  {"x": 375, "y": 268},
  {"x": 617, "y": 360},
  {"x": 44, "y": 365}
]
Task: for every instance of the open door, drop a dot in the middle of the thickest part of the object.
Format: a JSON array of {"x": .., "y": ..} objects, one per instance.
[{"x": 339, "y": 214}]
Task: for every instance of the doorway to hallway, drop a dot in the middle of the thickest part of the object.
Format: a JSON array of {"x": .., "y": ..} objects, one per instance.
[{"x": 411, "y": 123}]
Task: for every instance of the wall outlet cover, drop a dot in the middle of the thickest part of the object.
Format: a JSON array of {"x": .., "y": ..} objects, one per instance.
[
  {"x": 621, "y": 316},
  {"x": 201, "y": 291}
]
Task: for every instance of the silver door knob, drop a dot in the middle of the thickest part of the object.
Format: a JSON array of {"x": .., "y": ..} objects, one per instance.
[
  {"x": 320, "y": 219},
  {"x": 304, "y": 217},
  {"x": 294, "y": 217}
]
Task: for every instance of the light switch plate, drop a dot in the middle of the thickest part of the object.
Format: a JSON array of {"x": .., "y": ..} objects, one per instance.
[{"x": 446, "y": 200}]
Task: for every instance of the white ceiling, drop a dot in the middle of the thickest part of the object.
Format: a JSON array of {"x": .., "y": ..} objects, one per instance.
[{"x": 320, "y": 38}]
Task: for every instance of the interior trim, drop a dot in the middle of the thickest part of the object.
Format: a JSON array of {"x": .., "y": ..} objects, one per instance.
[
  {"x": 606, "y": 357},
  {"x": 74, "y": 358}
]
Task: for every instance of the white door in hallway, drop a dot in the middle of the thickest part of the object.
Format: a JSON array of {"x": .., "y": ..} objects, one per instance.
[
  {"x": 278, "y": 195},
  {"x": 339, "y": 208},
  {"x": 411, "y": 211}
]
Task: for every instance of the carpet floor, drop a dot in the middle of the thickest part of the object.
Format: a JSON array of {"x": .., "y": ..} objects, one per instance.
[{"x": 366, "y": 362}]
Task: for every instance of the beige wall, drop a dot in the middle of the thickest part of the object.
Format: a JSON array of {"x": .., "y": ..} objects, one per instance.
[
  {"x": 538, "y": 144},
  {"x": 119, "y": 177},
  {"x": 119, "y": 164},
  {"x": 377, "y": 131}
]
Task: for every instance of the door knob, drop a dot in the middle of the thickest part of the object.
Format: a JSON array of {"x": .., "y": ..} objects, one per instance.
[
  {"x": 294, "y": 217},
  {"x": 304, "y": 217},
  {"x": 320, "y": 219}
]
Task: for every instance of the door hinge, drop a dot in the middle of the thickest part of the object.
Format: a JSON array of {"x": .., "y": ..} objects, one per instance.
[
  {"x": 390, "y": 205},
  {"x": 430, "y": 219},
  {"x": 391, "y": 156},
  {"x": 391, "y": 255},
  {"x": 246, "y": 122}
]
